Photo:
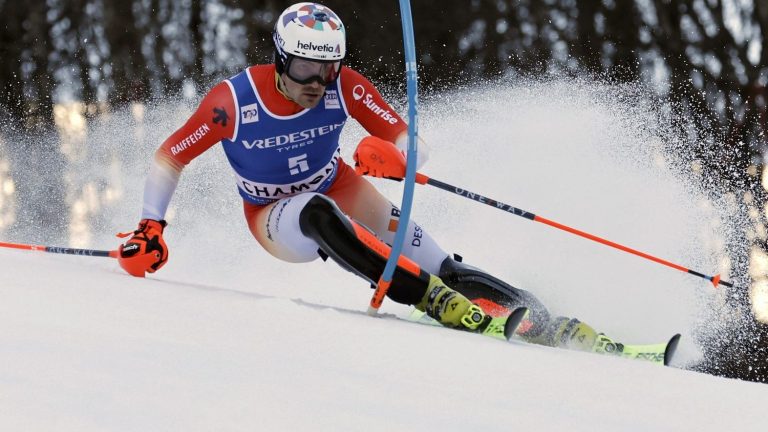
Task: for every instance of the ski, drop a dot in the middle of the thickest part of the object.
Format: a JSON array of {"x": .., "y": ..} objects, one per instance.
[
  {"x": 504, "y": 328},
  {"x": 657, "y": 353},
  {"x": 498, "y": 328}
]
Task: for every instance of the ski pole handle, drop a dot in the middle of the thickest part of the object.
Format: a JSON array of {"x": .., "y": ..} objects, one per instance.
[
  {"x": 62, "y": 250},
  {"x": 423, "y": 179}
]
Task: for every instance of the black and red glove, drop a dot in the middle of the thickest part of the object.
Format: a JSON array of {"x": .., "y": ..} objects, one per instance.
[
  {"x": 379, "y": 158},
  {"x": 146, "y": 250}
]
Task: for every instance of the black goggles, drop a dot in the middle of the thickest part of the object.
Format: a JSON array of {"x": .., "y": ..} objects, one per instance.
[{"x": 304, "y": 71}]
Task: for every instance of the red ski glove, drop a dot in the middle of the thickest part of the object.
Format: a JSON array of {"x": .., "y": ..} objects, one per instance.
[
  {"x": 146, "y": 250},
  {"x": 379, "y": 158}
]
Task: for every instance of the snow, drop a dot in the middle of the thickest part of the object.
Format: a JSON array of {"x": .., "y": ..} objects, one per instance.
[
  {"x": 86, "y": 348},
  {"x": 226, "y": 338}
]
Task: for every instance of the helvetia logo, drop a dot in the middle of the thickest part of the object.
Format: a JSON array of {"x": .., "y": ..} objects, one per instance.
[{"x": 312, "y": 47}]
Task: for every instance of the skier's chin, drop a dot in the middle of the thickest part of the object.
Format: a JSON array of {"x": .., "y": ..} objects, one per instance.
[{"x": 309, "y": 99}]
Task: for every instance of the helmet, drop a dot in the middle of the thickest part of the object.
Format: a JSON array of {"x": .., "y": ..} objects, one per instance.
[{"x": 311, "y": 31}]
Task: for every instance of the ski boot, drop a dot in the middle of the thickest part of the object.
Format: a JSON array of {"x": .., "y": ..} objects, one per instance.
[
  {"x": 606, "y": 345},
  {"x": 451, "y": 309},
  {"x": 573, "y": 334}
]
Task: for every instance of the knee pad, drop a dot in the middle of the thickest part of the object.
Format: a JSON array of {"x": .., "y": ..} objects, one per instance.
[{"x": 358, "y": 250}]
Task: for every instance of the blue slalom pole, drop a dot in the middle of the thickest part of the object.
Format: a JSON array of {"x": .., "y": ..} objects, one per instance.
[{"x": 410, "y": 168}]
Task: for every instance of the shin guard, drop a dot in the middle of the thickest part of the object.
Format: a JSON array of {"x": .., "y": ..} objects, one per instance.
[
  {"x": 494, "y": 295},
  {"x": 359, "y": 251}
]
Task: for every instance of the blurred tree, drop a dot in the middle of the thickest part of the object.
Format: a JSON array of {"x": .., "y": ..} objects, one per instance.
[
  {"x": 28, "y": 84},
  {"x": 717, "y": 83},
  {"x": 125, "y": 62},
  {"x": 11, "y": 48},
  {"x": 197, "y": 32}
]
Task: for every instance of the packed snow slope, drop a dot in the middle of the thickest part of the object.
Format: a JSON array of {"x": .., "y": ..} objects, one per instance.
[
  {"x": 227, "y": 338},
  {"x": 86, "y": 348}
]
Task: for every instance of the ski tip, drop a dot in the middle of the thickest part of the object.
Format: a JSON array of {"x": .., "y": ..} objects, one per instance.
[
  {"x": 669, "y": 352},
  {"x": 513, "y": 321}
]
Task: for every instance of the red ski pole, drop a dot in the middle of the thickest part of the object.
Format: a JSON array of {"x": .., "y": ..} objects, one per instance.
[
  {"x": 62, "y": 250},
  {"x": 422, "y": 179}
]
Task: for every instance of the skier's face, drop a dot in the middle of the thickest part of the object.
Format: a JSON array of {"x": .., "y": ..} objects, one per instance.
[{"x": 306, "y": 95}]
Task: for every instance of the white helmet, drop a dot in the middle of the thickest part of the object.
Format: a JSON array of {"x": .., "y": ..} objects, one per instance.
[{"x": 311, "y": 31}]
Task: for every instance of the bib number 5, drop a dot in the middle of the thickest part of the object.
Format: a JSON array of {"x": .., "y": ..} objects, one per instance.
[{"x": 298, "y": 164}]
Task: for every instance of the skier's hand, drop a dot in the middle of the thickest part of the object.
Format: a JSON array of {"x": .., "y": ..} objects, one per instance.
[
  {"x": 379, "y": 158},
  {"x": 146, "y": 250}
]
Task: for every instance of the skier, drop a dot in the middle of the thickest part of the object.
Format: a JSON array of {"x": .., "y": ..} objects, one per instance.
[{"x": 279, "y": 125}]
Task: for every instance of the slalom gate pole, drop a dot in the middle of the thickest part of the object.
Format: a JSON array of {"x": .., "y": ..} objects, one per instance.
[
  {"x": 62, "y": 250},
  {"x": 410, "y": 168},
  {"x": 423, "y": 179}
]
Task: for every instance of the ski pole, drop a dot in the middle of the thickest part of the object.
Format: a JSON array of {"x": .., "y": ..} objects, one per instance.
[
  {"x": 423, "y": 179},
  {"x": 411, "y": 74},
  {"x": 62, "y": 250}
]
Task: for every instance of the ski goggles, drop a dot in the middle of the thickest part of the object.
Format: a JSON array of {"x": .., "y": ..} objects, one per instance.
[{"x": 304, "y": 71}]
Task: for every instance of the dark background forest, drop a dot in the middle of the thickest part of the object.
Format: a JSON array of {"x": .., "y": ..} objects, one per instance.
[{"x": 705, "y": 59}]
